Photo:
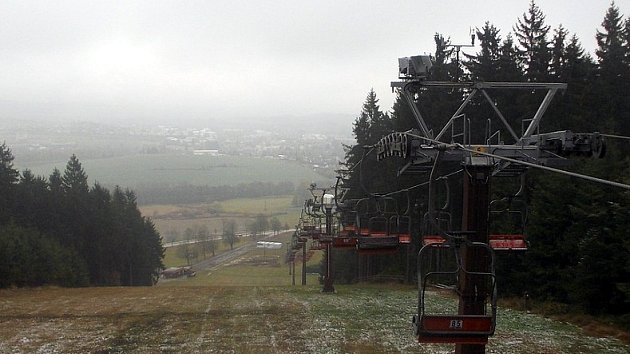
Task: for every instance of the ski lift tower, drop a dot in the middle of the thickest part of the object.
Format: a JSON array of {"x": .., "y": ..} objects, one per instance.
[{"x": 453, "y": 146}]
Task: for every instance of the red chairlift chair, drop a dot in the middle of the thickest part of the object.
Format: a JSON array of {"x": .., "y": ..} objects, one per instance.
[
  {"x": 400, "y": 225},
  {"x": 347, "y": 237},
  {"x": 431, "y": 231},
  {"x": 373, "y": 224},
  {"x": 513, "y": 211},
  {"x": 378, "y": 239},
  {"x": 443, "y": 327}
]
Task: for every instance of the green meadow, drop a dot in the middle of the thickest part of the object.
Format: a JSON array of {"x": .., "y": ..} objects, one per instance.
[{"x": 174, "y": 169}]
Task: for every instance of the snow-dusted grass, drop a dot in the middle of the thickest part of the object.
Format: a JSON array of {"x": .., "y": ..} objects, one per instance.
[{"x": 266, "y": 318}]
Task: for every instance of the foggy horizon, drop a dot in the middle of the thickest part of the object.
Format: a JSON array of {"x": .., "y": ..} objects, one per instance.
[{"x": 159, "y": 62}]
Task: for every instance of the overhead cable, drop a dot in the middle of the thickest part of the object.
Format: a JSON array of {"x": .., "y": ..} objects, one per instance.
[
  {"x": 541, "y": 167},
  {"x": 615, "y": 136},
  {"x": 546, "y": 168}
]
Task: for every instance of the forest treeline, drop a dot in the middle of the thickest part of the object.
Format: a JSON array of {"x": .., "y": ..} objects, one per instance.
[
  {"x": 60, "y": 231},
  {"x": 579, "y": 250}
]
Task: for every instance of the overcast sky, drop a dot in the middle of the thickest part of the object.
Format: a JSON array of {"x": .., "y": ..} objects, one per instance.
[{"x": 173, "y": 61}]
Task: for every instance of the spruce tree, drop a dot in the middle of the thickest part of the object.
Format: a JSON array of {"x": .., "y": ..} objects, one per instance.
[
  {"x": 483, "y": 65},
  {"x": 8, "y": 178},
  {"x": 74, "y": 179},
  {"x": 558, "y": 55},
  {"x": 8, "y": 174},
  {"x": 611, "y": 52},
  {"x": 509, "y": 63},
  {"x": 571, "y": 110},
  {"x": 613, "y": 74},
  {"x": 531, "y": 33}
]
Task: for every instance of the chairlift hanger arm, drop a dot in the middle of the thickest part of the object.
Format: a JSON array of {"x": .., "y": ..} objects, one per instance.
[
  {"x": 548, "y": 149},
  {"x": 551, "y": 169},
  {"x": 516, "y": 154}
]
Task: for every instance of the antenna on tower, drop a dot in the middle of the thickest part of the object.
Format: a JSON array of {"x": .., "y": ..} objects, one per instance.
[{"x": 458, "y": 48}]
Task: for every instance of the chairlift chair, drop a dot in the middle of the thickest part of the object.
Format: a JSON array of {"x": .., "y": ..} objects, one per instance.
[
  {"x": 431, "y": 231},
  {"x": 400, "y": 223},
  {"x": 374, "y": 236},
  {"x": 514, "y": 211},
  {"x": 347, "y": 237},
  {"x": 378, "y": 239},
  {"x": 400, "y": 226},
  {"x": 440, "y": 327}
]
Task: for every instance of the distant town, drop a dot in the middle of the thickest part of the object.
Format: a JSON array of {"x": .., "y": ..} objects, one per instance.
[{"x": 38, "y": 142}]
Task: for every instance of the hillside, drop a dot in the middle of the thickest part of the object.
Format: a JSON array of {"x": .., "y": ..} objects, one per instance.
[{"x": 219, "y": 311}]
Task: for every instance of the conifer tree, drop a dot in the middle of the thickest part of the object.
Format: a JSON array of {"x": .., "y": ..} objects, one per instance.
[
  {"x": 613, "y": 74},
  {"x": 74, "y": 179},
  {"x": 509, "y": 66},
  {"x": 372, "y": 123},
  {"x": 402, "y": 116},
  {"x": 531, "y": 33},
  {"x": 558, "y": 54},
  {"x": 101, "y": 245},
  {"x": 8, "y": 174},
  {"x": 55, "y": 182},
  {"x": 611, "y": 52},
  {"x": 483, "y": 65},
  {"x": 8, "y": 177},
  {"x": 572, "y": 66}
]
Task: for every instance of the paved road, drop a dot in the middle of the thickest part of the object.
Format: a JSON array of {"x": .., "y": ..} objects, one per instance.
[{"x": 223, "y": 258}]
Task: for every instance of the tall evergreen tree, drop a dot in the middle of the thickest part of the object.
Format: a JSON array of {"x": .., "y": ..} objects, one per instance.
[
  {"x": 101, "y": 245},
  {"x": 32, "y": 197},
  {"x": 613, "y": 74},
  {"x": 8, "y": 174},
  {"x": 74, "y": 179},
  {"x": 369, "y": 127},
  {"x": 8, "y": 177},
  {"x": 372, "y": 123},
  {"x": 509, "y": 63},
  {"x": 483, "y": 65},
  {"x": 531, "y": 33},
  {"x": 572, "y": 110},
  {"x": 611, "y": 51},
  {"x": 56, "y": 182},
  {"x": 443, "y": 68},
  {"x": 75, "y": 212},
  {"x": 558, "y": 54}
]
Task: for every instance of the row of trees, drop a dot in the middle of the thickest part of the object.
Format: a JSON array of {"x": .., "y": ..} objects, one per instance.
[
  {"x": 579, "y": 252},
  {"x": 205, "y": 243},
  {"x": 188, "y": 193},
  {"x": 58, "y": 230}
]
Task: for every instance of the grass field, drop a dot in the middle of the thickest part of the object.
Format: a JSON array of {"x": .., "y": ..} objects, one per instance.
[
  {"x": 173, "y": 219},
  {"x": 173, "y": 258},
  {"x": 251, "y": 319},
  {"x": 259, "y": 267},
  {"x": 172, "y": 169},
  {"x": 249, "y": 306}
]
